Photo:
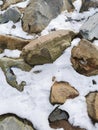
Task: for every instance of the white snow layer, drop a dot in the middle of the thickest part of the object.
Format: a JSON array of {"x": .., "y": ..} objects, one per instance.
[{"x": 33, "y": 103}]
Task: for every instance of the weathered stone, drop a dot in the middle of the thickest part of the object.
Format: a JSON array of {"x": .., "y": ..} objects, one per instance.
[
  {"x": 86, "y": 4},
  {"x": 12, "y": 14},
  {"x": 11, "y": 42},
  {"x": 89, "y": 29},
  {"x": 39, "y": 13},
  {"x": 47, "y": 48},
  {"x": 84, "y": 58},
  {"x": 61, "y": 91},
  {"x": 12, "y": 122},
  {"x": 57, "y": 115},
  {"x": 64, "y": 124},
  {"x": 6, "y": 64},
  {"x": 7, "y": 3},
  {"x": 92, "y": 105}
]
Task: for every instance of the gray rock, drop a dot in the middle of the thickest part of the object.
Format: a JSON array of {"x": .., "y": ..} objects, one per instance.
[
  {"x": 39, "y": 13},
  {"x": 6, "y": 64},
  {"x": 12, "y": 14},
  {"x": 57, "y": 115},
  {"x": 12, "y": 122},
  {"x": 89, "y": 29},
  {"x": 86, "y": 4}
]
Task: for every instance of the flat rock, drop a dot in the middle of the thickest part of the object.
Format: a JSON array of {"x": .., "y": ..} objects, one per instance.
[
  {"x": 84, "y": 58},
  {"x": 61, "y": 91},
  {"x": 89, "y": 29},
  {"x": 11, "y": 42},
  {"x": 48, "y": 48}
]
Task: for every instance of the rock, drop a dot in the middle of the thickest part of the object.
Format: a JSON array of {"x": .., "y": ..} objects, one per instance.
[
  {"x": 6, "y": 64},
  {"x": 86, "y": 4},
  {"x": 12, "y": 122},
  {"x": 64, "y": 124},
  {"x": 12, "y": 14},
  {"x": 11, "y": 42},
  {"x": 61, "y": 91},
  {"x": 68, "y": 5},
  {"x": 84, "y": 58},
  {"x": 38, "y": 14},
  {"x": 57, "y": 115},
  {"x": 89, "y": 29},
  {"x": 7, "y": 3},
  {"x": 47, "y": 49},
  {"x": 92, "y": 105}
]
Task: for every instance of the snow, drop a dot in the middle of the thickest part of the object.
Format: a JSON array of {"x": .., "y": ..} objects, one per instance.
[{"x": 33, "y": 103}]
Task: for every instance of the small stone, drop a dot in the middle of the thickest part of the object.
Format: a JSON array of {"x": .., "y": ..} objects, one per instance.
[{"x": 61, "y": 91}]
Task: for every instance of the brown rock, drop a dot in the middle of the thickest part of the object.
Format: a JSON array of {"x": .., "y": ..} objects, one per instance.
[
  {"x": 11, "y": 42},
  {"x": 47, "y": 49},
  {"x": 92, "y": 105},
  {"x": 64, "y": 124},
  {"x": 61, "y": 91},
  {"x": 7, "y": 3},
  {"x": 86, "y": 4},
  {"x": 84, "y": 58}
]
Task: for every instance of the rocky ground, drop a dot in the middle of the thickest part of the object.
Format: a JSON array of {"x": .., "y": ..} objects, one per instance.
[{"x": 48, "y": 65}]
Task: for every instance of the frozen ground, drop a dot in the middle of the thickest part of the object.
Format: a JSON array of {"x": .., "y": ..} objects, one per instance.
[{"x": 33, "y": 103}]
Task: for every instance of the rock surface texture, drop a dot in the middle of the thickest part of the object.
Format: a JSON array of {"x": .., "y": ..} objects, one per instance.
[
  {"x": 39, "y": 13},
  {"x": 12, "y": 122},
  {"x": 61, "y": 91},
  {"x": 84, "y": 58},
  {"x": 11, "y": 42},
  {"x": 89, "y": 29},
  {"x": 47, "y": 49}
]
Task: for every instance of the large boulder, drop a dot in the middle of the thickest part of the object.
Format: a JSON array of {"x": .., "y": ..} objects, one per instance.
[
  {"x": 61, "y": 91},
  {"x": 39, "y": 13},
  {"x": 89, "y": 29},
  {"x": 86, "y": 4},
  {"x": 47, "y": 49},
  {"x": 12, "y": 122},
  {"x": 12, "y": 14},
  {"x": 84, "y": 58},
  {"x": 7, "y": 3},
  {"x": 11, "y": 42},
  {"x": 92, "y": 105}
]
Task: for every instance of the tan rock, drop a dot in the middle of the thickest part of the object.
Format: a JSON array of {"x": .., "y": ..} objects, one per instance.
[
  {"x": 61, "y": 91},
  {"x": 7, "y": 3},
  {"x": 64, "y": 124},
  {"x": 84, "y": 58},
  {"x": 92, "y": 105},
  {"x": 47, "y": 49},
  {"x": 11, "y": 42}
]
